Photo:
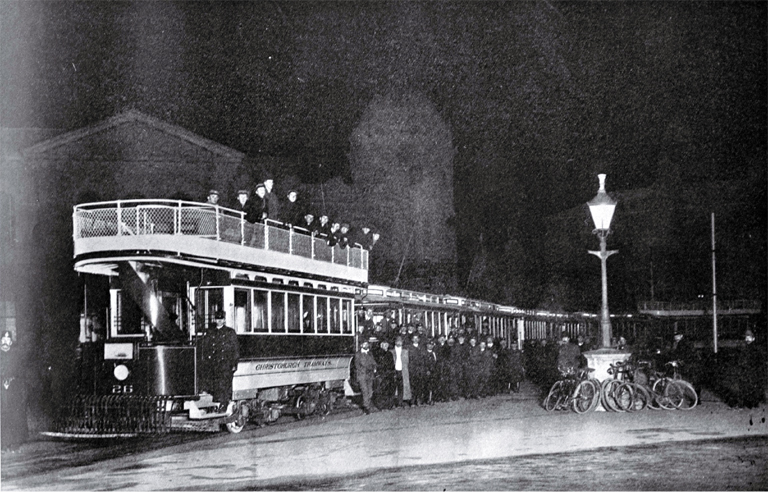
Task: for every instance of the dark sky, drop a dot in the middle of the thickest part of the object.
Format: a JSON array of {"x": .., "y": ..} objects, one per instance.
[
  {"x": 572, "y": 85},
  {"x": 540, "y": 96}
]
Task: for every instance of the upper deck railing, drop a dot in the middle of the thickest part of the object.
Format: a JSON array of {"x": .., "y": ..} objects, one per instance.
[
  {"x": 211, "y": 222},
  {"x": 723, "y": 307}
]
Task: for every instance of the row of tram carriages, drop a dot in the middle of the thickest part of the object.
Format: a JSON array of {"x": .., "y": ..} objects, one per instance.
[{"x": 156, "y": 271}]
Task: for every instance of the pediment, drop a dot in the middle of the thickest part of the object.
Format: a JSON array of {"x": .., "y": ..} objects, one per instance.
[{"x": 131, "y": 136}]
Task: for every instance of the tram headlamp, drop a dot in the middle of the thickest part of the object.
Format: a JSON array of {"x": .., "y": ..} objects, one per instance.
[{"x": 121, "y": 372}]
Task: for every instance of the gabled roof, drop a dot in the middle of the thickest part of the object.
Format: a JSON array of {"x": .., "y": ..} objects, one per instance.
[{"x": 134, "y": 116}]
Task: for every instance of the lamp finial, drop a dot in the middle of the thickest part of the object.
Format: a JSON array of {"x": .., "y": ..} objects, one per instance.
[{"x": 601, "y": 177}]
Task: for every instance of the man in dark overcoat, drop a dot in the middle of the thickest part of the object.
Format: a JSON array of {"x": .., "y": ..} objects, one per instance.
[
  {"x": 219, "y": 353},
  {"x": 13, "y": 405},
  {"x": 384, "y": 387},
  {"x": 365, "y": 370}
]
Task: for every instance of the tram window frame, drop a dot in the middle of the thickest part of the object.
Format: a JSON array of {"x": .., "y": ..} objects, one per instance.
[
  {"x": 321, "y": 315},
  {"x": 334, "y": 315},
  {"x": 117, "y": 325},
  {"x": 242, "y": 311},
  {"x": 277, "y": 316},
  {"x": 308, "y": 314},
  {"x": 294, "y": 319},
  {"x": 346, "y": 316},
  {"x": 205, "y": 307},
  {"x": 259, "y": 311}
]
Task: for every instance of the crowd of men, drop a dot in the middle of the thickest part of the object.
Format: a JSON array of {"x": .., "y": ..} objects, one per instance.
[
  {"x": 399, "y": 365},
  {"x": 264, "y": 206}
]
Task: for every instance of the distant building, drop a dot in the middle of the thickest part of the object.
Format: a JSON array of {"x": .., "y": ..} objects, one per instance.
[{"x": 43, "y": 173}]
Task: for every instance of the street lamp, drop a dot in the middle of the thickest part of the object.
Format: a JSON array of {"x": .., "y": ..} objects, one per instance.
[{"x": 601, "y": 208}]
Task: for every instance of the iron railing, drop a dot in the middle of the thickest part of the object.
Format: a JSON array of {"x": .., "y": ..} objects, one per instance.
[
  {"x": 722, "y": 305},
  {"x": 176, "y": 217}
]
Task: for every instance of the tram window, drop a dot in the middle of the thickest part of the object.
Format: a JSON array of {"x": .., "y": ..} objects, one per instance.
[
  {"x": 293, "y": 282},
  {"x": 307, "y": 284},
  {"x": 260, "y": 311},
  {"x": 346, "y": 315},
  {"x": 308, "y": 313},
  {"x": 207, "y": 302},
  {"x": 173, "y": 306},
  {"x": 294, "y": 313},
  {"x": 129, "y": 318},
  {"x": 242, "y": 311},
  {"x": 278, "y": 312},
  {"x": 335, "y": 315},
  {"x": 322, "y": 314}
]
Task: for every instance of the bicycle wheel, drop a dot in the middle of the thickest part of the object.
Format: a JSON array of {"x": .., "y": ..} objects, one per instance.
[
  {"x": 554, "y": 398},
  {"x": 669, "y": 396},
  {"x": 624, "y": 397},
  {"x": 583, "y": 397},
  {"x": 640, "y": 396},
  {"x": 690, "y": 398},
  {"x": 596, "y": 400},
  {"x": 607, "y": 394}
]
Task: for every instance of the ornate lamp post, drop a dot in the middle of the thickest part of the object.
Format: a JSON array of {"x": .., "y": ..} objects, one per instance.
[{"x": 601, "y": 208}]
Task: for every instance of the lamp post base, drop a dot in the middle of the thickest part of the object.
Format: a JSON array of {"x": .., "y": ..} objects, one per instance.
[{"x": 600, "y": 360}]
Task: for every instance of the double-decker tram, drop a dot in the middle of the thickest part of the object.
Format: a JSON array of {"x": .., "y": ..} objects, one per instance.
[{"x": 156, "y": 271}]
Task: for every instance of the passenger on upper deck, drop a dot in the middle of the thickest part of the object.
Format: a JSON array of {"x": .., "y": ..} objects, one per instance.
[
  {"x": 271, "y": 203},
  {"x": 207, "y": 223},
  {"x": 343, "y": 236},
  {"x": 323, "y": 226},
  {"x": 333, "y": 234},
  {"x": 364, "y": 238},
  {"x": 213, "y": 197},
  {"x": 293, "y": 213},
  {"x": 245, "y": 204},
  {"x": 260, "y": 203},
  {"x": 309, "y": 222}
]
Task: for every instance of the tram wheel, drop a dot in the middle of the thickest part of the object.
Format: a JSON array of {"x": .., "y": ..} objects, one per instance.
[{"x": 300, "y": 408}]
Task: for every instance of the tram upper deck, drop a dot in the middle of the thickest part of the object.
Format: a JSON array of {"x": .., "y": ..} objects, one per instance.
[{"x": 198, "y": 233}]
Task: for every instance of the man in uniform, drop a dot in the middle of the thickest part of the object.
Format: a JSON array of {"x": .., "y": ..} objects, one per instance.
[
  {"x": 365, "y": 370},
  {"x": 219, "y": 353}
]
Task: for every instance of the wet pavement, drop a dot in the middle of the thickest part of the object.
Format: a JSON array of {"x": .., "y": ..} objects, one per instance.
[{"x": 444, "y": 435}]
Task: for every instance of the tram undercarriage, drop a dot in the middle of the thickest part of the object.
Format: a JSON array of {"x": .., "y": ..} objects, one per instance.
[{"x": 130, "y": 415}]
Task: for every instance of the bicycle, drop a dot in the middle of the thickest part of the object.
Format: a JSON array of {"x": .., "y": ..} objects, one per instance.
[
  {"x": 668, "y": 393},
  {"x": 680, "y": 390},
  {"x": 575, "y": 390},
  {"x": 632, "y": 395},
  {"x": 615, "y": 393}
]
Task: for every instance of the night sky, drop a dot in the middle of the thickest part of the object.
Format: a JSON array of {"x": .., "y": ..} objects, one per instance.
[{"x": 539, "y": 96}]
